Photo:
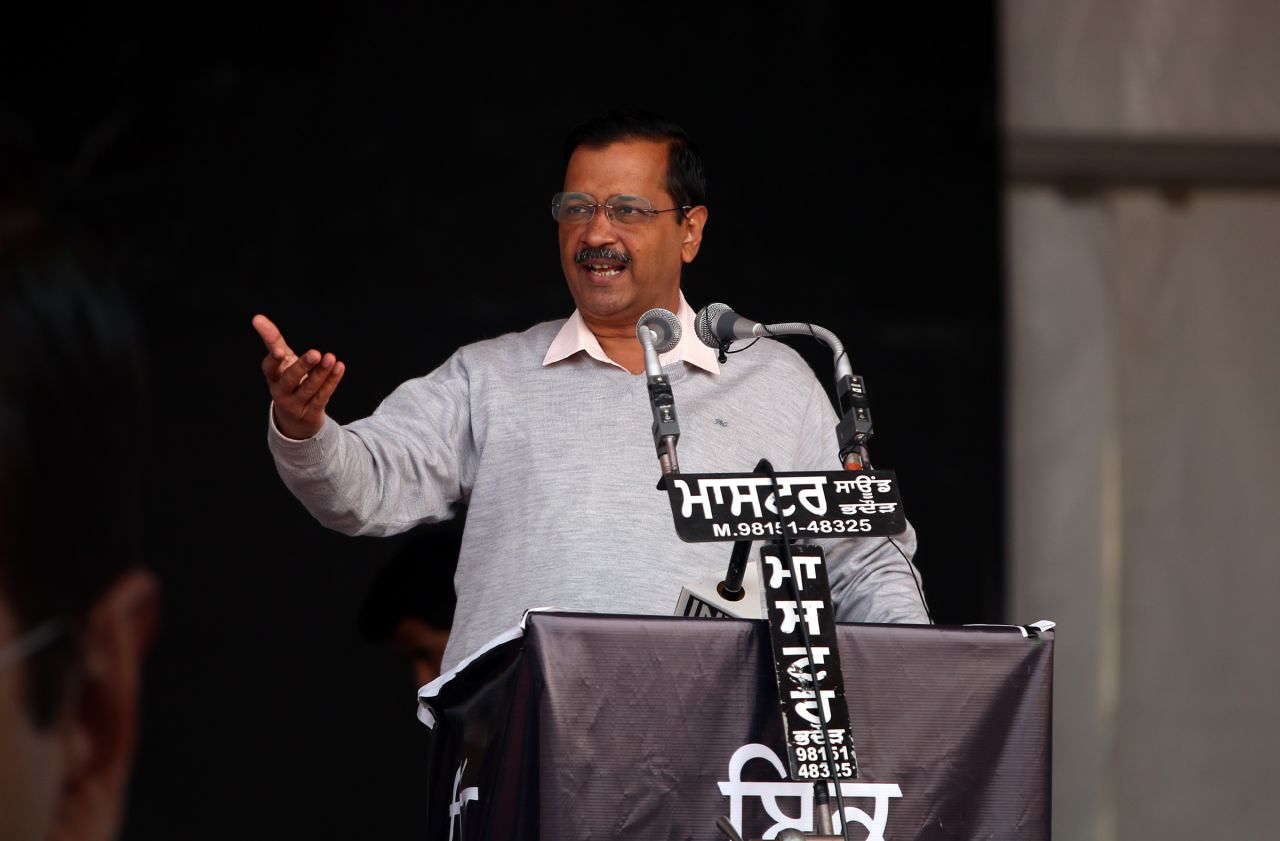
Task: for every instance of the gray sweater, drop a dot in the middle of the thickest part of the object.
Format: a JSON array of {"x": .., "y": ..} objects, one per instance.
[{"x": 558, "y": 466}]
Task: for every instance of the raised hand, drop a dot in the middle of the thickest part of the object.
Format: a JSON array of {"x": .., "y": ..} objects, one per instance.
[{"x": 300, "y": 385}]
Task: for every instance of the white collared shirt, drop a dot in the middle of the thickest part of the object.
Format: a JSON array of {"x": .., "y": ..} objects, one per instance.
[{"x": 575, "y": 336}]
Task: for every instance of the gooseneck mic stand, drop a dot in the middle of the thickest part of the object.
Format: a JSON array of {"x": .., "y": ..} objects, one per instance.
[
  {"x": 717, "y": 326},
  {"x": 855, "y": 428}
]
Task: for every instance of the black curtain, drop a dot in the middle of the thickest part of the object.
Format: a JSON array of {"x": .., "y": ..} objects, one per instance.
[{"x": 375, "y": 178}]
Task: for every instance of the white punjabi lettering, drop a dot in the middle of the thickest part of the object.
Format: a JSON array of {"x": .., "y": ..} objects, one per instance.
[
  {"x": 799, "y": 670},
  {"x": 802, "y": 792},
  {"x": 771, "y": 506},
  {"x": 816, "y": 736},
  {"x": 851, "y": 508},
  {"x": 688, "y": 498},
  {"x": 791, "y": 615},
  {"x": 808, "y": 565},
  {"x": 811, "y": 497},
  {"x": 460, "y": 799},
  {"x": 746, "y": 491},
  {"x": 807, "y": 707}
]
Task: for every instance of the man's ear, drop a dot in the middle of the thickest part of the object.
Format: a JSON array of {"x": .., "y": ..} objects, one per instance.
[
  {"x": 695, "y": 220},
  {"x": 99, "y": 725}
]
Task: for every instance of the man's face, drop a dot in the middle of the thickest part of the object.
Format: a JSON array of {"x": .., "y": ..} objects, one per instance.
[
  {"x": 640, "y": 266},
  {"x": 29, "y": 759}
]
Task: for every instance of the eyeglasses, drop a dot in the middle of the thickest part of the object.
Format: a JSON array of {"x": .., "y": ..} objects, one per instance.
[
  {"x": 580, "y": 208},
  {"x": 32, "y": 641}
]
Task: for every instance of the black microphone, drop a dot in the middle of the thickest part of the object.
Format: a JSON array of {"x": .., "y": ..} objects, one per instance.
[
  {"x": 718, "y": 323},
  {"x": 659, "y": 331}
]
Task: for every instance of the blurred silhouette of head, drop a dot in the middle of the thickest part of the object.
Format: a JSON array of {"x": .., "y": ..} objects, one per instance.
[
  {"x": 77, "y": 609},
  {"x": 412, "y": 601}
]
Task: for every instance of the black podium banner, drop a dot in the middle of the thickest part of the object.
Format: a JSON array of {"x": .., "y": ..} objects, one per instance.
[{"x": 593, "y": 726}]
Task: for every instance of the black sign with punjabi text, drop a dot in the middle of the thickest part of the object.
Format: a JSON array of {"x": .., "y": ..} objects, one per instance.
[
  {"x": 738, "y": 506},
  {"x": 815, "y": 718}
]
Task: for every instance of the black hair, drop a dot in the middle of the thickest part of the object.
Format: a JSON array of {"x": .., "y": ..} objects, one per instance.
[{"x": 686, "y": 178}]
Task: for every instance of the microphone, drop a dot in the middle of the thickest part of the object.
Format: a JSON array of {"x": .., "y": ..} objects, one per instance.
[
  {"x": 663, "y": 333},
  {"x": 718, "y": 323},
  {"x": 659, "y": 331},
  {"x": 665, "y": 327}
]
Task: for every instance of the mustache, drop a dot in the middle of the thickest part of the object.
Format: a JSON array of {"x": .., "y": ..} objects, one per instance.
[{"x": 584, "y": 255}]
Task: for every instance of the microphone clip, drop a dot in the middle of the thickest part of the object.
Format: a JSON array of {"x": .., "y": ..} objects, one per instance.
[
  {"x": 722, "y": 348},
  {"x": 666, "y": 427}
]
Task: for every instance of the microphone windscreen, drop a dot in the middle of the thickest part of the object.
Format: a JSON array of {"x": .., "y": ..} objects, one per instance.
[
  {"x": 665, "y": 326},
  {"x": 705, "y": 325}
]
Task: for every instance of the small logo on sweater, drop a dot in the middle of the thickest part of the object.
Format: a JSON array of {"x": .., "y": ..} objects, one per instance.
[{"x": 721, "y": 422}]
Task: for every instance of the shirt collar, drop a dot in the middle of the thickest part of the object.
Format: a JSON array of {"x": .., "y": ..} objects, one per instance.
[{"x": 575, "y": 337}]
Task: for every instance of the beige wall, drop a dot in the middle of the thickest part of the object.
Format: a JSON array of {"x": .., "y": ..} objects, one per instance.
[
  {"x": 1144, "y": 329},
  {"x": 1146, "y": 67}
]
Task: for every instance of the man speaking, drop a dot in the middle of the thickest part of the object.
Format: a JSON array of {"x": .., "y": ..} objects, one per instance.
[{"x": 545, "y": 433}]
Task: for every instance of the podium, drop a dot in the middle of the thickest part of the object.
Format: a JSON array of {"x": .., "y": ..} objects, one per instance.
[{"x": 601, "y": 726}]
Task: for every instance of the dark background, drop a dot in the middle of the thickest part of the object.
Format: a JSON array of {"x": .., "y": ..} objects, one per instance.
[{"x": 375, "y": 179}]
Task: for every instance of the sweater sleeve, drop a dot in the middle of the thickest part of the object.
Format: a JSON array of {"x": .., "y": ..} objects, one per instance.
[
  {"x": 403, "y": 465},
  {"x": 873, "y": 579}
]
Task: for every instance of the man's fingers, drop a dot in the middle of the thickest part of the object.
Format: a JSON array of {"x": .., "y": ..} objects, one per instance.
[
  {"x": 273, "y": 369},
  {"x": 267, "y": 330},
  {"x": 292, "y": 373},
  {"x": 316, "y": 377},
  {"x": 301, "y": 412},
  {"x": 271, "y": 337},
  {"x": 300, "y": 385},
  {"x": 321, "y": 398}
]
